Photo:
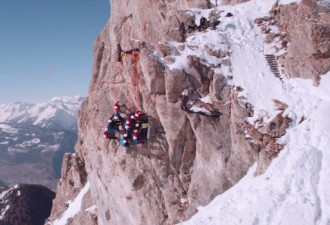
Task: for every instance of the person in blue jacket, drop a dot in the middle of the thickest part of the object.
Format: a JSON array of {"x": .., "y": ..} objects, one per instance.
[{"x": 124, "y": 140}]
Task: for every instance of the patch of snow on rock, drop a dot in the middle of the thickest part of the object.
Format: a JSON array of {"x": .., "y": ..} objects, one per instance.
[
  {"x": 74, "y": 207},
  {"x": 92, "y": 209}
]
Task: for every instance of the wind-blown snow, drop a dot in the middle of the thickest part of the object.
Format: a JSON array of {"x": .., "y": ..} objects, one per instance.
[
  {"x": 74, "y": 207},
  {"x": 295, "y": 187}
]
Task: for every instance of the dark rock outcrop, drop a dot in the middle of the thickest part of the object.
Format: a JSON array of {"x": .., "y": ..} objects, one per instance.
[{"x": 25, "y": 204}]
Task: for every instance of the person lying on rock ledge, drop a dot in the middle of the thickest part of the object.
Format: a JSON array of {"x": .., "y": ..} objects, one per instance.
[{"x": 197, "y": 106}]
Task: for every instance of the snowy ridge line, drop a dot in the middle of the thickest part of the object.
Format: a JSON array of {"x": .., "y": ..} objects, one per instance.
[
  {"x": 3, "y": 196},
  {"x": 61, "y": 110}
]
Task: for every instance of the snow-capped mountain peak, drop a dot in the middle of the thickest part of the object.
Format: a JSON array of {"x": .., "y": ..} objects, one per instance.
[{"x": 59, "y": 110}]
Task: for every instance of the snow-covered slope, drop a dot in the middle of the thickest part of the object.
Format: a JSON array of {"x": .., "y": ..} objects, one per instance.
[
  {"x": 59, "y": 110},
  {"x": 294, "y": 189}
]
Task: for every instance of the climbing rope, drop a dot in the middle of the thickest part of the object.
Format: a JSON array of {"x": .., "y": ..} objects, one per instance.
[
  {"x": 123, "y": 55},
  {"x": 138, "y": 92},
  {"x": 134, "y": 84},
  {"x": 135, "y": 80}
]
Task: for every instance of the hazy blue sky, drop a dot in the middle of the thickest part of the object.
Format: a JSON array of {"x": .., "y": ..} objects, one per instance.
[{"x": 46, "y": 47}]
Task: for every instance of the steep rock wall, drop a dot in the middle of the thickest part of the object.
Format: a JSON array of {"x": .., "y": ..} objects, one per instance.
[
  {"x": 189, "y": 158},
  {"x": 306, "y": 26}
]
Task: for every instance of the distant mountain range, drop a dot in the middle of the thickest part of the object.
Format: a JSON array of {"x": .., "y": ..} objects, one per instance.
[{"x": 34, "y": 137}]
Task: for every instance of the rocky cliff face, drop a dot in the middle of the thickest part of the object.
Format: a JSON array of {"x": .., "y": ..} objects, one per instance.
[
  {"x": 306, "y": 27},
  {"x": 189, "y": 158}
]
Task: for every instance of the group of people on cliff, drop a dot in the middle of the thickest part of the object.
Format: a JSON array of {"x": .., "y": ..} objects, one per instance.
[
  {"x": 203, "y": 25},
  {"x": 192, "y": 26},
  {"x": 133, "y": 129}
]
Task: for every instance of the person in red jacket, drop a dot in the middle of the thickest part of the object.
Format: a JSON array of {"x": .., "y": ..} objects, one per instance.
[
  {"x": 116, "y": 118},
  {"x": 137, "y": 136},
  {"x": 138, "y": 115},
  {"x": 129, "y": 126}
]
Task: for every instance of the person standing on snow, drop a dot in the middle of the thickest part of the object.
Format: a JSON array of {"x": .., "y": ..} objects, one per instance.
[{"x": 203, "y": 24}]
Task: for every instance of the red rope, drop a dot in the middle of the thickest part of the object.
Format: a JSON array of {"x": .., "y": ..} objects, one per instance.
[
  {"x": 112, "y": 68},
  {"x": 123, "y": 55},
  {"x": 138, "y": 94},
  {"x": 131, "y": 90},
  {"x": 134, "y": 89}
]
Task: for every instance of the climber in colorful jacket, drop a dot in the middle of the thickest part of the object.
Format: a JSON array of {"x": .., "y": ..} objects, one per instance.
[
  {"x": 116, "y": 116},
  {"x": 142, "y": 124},
  {"x": 107, "y": 135},
  {"x": 110, "y": 130},
  {"x": 133, "y": 119},
  {"x": 129, "y": 126},
  {"x": 124, "y": 140},
  {"x": 138, "y": 118},
  {"x": 137, "y": 125},
  {"x": 138, "y": 115},
  {"x": 191, "y": 25},
  {"x": 137, "y": 136}
]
